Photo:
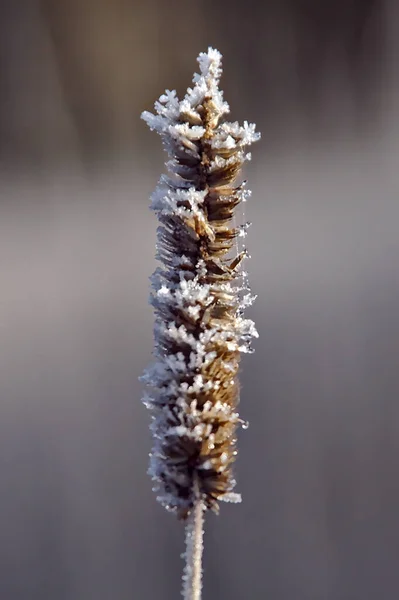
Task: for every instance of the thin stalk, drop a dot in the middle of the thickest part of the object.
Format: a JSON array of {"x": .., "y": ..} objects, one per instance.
[{"x": 192, "y": 576}]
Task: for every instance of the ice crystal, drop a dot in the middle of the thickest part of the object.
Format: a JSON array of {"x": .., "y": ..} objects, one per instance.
[{"x": 199, "y": 328}]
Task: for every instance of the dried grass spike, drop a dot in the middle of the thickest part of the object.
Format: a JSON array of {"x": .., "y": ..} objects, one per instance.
[
  {"x": 199, "y": 326},
  {"x": 199, "y": 330}
]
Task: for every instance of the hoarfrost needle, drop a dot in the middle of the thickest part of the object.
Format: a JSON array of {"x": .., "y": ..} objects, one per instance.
[{"x": 198, "y": 301}]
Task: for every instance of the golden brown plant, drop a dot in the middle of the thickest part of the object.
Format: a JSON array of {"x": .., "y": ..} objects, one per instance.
[{"x": 197, "y": 297}]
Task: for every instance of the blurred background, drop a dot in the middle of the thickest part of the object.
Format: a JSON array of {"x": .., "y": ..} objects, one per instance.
[{"x": 318, "y": 466}]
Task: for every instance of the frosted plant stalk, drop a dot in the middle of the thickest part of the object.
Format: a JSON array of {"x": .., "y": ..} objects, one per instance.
[
  {"x": 198, "y": 301},
  {"x": 192, "y": 576}
]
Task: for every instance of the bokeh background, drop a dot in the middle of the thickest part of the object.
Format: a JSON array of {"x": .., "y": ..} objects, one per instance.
[{"x": 318, "y": 467}]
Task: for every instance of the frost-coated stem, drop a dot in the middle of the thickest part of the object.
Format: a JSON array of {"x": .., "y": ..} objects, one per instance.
[{"x": 192, "y": 577}]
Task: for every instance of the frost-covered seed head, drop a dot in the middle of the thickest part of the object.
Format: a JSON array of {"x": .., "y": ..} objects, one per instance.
[{"x": 199, "y": 329}]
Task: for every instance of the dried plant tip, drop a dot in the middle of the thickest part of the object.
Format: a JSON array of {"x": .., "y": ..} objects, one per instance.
[{"x": 196, "y": 294}]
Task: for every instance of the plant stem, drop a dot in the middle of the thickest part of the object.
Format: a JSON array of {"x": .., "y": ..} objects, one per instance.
[{"x": 192, "y": 577}]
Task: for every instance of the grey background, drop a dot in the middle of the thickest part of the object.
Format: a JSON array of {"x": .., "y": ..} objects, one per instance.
[{"x": 318, "y": 466}]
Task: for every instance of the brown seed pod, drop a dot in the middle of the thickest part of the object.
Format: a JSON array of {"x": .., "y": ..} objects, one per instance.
[{"x": 199, "y": 329}]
